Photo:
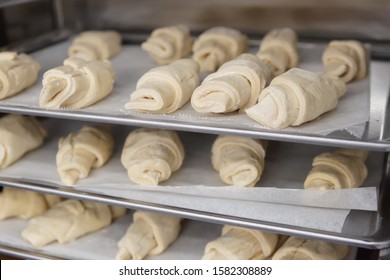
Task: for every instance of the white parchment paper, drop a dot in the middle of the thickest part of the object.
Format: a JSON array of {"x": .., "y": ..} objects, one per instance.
[
  {"x": 132, "y": 63},
  {"x": 197, "y": 186}
]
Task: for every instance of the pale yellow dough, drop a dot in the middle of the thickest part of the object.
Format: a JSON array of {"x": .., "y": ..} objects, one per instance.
[
  {"x": 79, "y": 152},
  {"x": 239, "y": 160},
  {"x": 167, "y": 44},
  {"x": 67, "y": 221},
  {"x": 165, "y": 89},
  {"x": 217, "y": 45},
  {"x": 150, "y": 156},
  {"x": 96, "y": 45},
  {"x": 346, "y": 59},
  {"x": 341, "y": 169},
  {"x": 19, "y": 135},
  {"x": 295, "y": 97},
  {"x": 238, "y": 243},
  {"x": 296, "y": 248},
  {"x": 76, "y": 84},
  {"x": 149, "y": 234},
  {"x": 24, "y": 204},
  {"x": 17, "y": 72},
  {"x": 278, "y": 49},
  {"x": 235, "y": 86}
]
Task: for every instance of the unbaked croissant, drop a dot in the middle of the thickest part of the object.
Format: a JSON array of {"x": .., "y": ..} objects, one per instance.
[
  {"x": 17, "y": 72},
  {"x": 24, "y": 204},
  {"x": 79, "y": 152},
  {"x": 96, "y": 45},
  {"x": 76, "y": 84},
  {"x": 218, "y": 45},
  {"x": 236, "y": 85},
  {"x": 149, "y": 234},
  {"x": 341, "y": 169},
  {"x": 167, "y": 44},
  {"x": 278, "y": 49},
  {"x": 19, "y": 135},
  {"x": 152, "y": 155},
  {"x": 67, "y": 221},
  {"x": 239, "y": 160},
  {"x": 297, "y": 248},
  {"x": 346, "y": 59},
  {"x": 295, "y": 97},
  {"x": 238, "y": 243},
  {"x": 165, "y": 89}
]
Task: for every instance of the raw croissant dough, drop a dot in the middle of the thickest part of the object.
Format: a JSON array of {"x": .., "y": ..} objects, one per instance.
[
  {"x": 165, "y": 89},
  {"x": 79, "y": 152},
  {"x": 238, "y": 243},
  {"x": 236, "y": 85},
  {"x": 24, "y": 204},
  {"x": 17, "y": 72},
  {"x": 346, "y": 59},
  {"x": 76, "y": 84},
  {"x": 278, "y": 49},
  {"x": 343, "y": 168},
  {"x": 239, "y": 160},
  {"x": 149, "y": 234},
  {"x": 296, "y": 248},
  {"x": 218, "y": 45},
  {"x": 167, "y": 44},
  {"x": 67, "y": 221},
  {"x": 151, "y": 155},
  {"x": 18, "y": 135},
  {"x": 295, "y": 97},
  {"x": 95, "y": 45}
]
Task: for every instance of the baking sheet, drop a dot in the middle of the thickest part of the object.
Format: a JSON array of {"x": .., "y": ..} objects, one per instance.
[
  {"x": 101, "y": 245},
  {"x": 280, "y": 190},
  {"x": 352, "y": 111}
]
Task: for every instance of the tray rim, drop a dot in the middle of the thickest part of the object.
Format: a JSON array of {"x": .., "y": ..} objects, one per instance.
[{"x": 311, "y": 139}]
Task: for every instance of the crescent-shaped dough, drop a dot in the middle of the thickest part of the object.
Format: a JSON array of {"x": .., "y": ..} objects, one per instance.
[
  {"x": 76, "y": 84},
  {"x": 152, "y": 155},
  {"x": 238, "y": 243},
  {"x": 296, "y": 248},
  {"x": 95, "y": 45},
  {"x": 149, "y": 234},
  {"x": 341, "y": 169},
  {"x": 167, "y": 44},
  {"x": 165, "y": 89},
  {"x": 24, "y": 204},
  {"x": 79, "y": 152},
  {"x": 295, "y": 97},
  {"x": 218, "y": 45},
  {"x": 17, "y": 72},
  {"x": 346, "y": 59},
  {"x": 19, "y": 135},
  {"x": 236, "y": 85},
  {"x": 67, "y": 221},
  {"x": 278, "y": 49},
  {"x": 239, "y": 160}
]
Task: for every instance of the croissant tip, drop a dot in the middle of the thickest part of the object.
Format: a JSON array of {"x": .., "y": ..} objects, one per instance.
[{"x": 123, "y": 254}]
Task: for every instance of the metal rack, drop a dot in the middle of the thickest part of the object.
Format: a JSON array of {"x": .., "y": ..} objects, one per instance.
[{"x": 375, "y": 138}]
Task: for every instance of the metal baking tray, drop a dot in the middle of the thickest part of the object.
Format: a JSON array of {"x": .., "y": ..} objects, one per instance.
[
  {"x": 133, "y": 62},
  {"x": 194, "y": 235},
  {"x": 367, "y": 227}
]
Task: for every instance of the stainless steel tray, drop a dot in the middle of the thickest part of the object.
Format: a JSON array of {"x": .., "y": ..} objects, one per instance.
[
  {"x": 182, "y": 195},
  {"x": 190, "y": 244},
  {"x": 133, "y": 63}
]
